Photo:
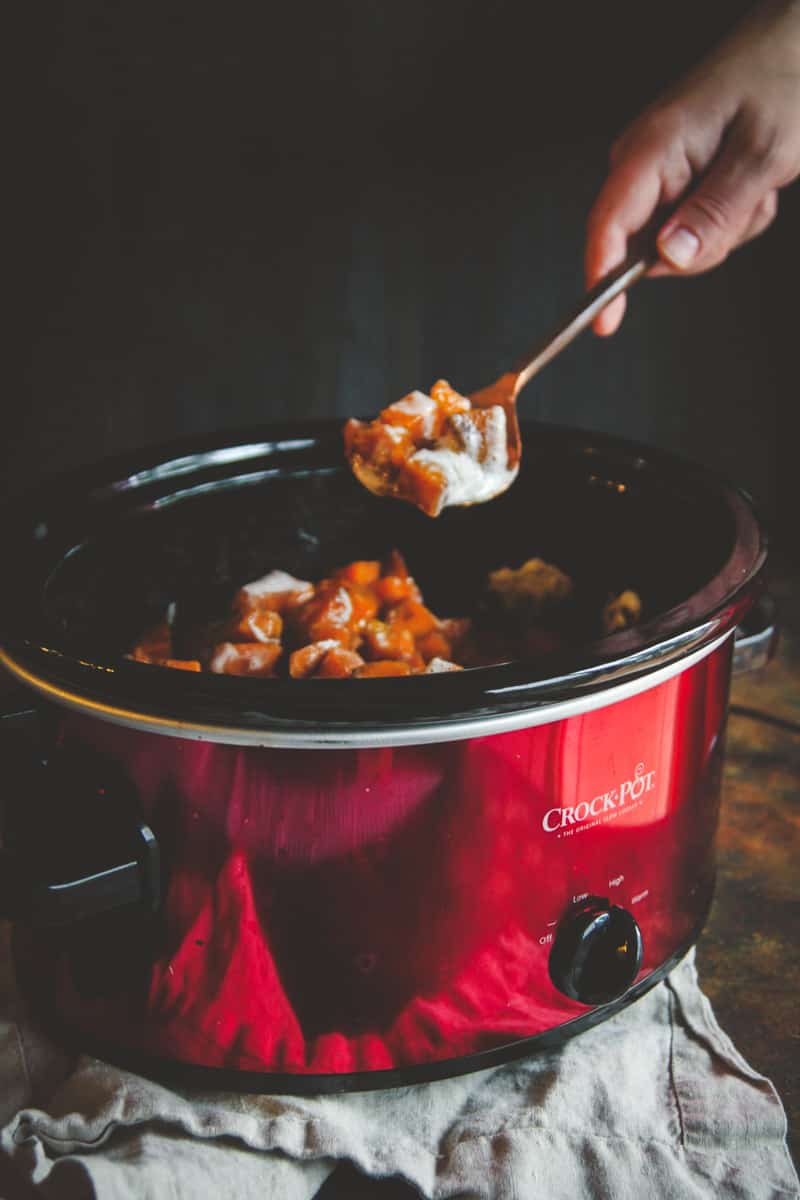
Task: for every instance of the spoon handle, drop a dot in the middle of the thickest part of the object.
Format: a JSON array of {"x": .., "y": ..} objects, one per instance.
[{"x": 593, "y": 302}]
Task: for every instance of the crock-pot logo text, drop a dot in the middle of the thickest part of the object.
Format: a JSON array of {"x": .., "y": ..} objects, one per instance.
[{"x": 600, "y": 809}]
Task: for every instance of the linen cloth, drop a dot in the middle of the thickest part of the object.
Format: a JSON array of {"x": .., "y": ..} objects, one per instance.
[{"x": 655, "y": 1102}]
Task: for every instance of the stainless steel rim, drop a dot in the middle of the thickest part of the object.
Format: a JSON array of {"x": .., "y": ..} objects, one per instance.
[{"x": 362, "y": 737}]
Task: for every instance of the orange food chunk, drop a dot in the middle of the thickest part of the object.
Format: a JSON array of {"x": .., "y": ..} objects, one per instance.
[
  {"x": 245, "y": 658},
  {"x": 182, "y": 664},
  {"x": 417, "y": 413},
  {"x": 387, "y": 641},
  {"x": 305, "y": 661},
  {"x": 265, "y": 625},
  {"x": 384, "y": 448},
  {"x": 392, "y": 589},
  {"x": 413, "y": 616},
  {"x": 363, "y": 572},
  {"x": 154, "y": 644},
  {"x": 365, "y": 604},
  {"x": 339, "y": 663},
  {"x": 382, "y": 668},
  {"x": 276, "y": 590},
  {"x": 435, "y": 645},
  {"x": 422, "y": 484},
  {"x": 330, "y": 614}
]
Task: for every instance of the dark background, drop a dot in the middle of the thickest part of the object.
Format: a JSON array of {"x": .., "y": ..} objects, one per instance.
[{"x": 228, "y": 215}]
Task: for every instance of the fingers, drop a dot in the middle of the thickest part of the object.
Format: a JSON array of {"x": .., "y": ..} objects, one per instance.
[
  {"x": 760, "y": 220},
  {"x": 648, "y": 168},
  {"x": 610, "y": 319},
  {"x": 604, "y": 251},
  {"x": 718, "y": 215},
  {"x": 624, "y": 204},
  {"x": 654, "y": 163}
]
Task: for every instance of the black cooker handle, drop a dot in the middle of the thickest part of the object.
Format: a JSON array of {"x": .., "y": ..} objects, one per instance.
[
  {"x": 74, "y": 843},
  {"x": 757, "y": 637},
  {"x": 66, "y": 896}
]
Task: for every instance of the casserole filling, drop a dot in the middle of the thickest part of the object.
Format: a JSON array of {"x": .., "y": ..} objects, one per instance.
[
  {"x": 432, "y": 451},
  {"x": 368, "y": 619}
]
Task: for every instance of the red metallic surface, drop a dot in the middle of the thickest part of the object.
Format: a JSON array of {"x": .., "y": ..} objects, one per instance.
[{"x": 333, "y": 911}]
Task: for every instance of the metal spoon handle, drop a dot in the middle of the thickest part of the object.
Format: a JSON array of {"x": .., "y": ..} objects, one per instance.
[{"x": 584, "y": 313}]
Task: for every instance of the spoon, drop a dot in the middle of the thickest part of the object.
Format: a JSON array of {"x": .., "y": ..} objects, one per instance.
[
  {"x": 505, "y": 390},
  {"x": 476, "y": 459}
]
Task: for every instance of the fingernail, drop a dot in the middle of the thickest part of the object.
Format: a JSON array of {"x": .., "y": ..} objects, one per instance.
[{"x": 679, "y": 247}]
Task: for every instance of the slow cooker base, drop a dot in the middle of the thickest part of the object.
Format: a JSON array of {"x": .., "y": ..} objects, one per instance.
[{"x": 171, "y": 1072}]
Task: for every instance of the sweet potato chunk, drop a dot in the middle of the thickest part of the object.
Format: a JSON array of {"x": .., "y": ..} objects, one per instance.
[
  {"x": 154, "y": 645},
  {"x": 435, "y": 645},
  {"x": 393, "y": 589},
  {"x": 382, "y": 641},
  {"x": 264, "y": 625},
  {"x": 328, "y": 615},
  {"x": 276, "y": 590},
  {"x": 339, "y": 663},
  {"x": 304, "y": 662},
  {"x": 245, "y": 658},
  {"x": 383, "y": 668},
  {"x": 412, "y": 615},
  {"x": 363, "y": 572}
]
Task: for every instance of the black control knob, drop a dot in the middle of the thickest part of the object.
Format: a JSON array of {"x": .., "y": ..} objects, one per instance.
[{"x": 597, "y": 953}]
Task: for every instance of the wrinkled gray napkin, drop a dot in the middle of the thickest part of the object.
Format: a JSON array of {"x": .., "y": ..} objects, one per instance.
[{"x": 656, "y": 1102}]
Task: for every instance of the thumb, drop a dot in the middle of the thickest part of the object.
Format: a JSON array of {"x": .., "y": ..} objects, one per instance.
[{"x": 713, "y": 219}]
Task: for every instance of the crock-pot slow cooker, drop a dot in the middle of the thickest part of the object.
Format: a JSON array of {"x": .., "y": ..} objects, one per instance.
[{"x": 312, "y": 885}]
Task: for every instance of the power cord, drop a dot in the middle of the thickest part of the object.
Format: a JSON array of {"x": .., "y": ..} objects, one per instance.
[{"x": 756, "y": 714}]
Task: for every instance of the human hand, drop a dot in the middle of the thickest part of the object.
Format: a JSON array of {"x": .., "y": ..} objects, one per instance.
[{"x": 726, "y": 138}]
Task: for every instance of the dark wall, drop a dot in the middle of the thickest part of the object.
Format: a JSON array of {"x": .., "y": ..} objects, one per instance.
[{"x": 226, "y": 219}]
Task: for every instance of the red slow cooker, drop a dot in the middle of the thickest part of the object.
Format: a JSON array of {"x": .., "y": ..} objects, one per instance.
[{"x": 314, "y": 885}]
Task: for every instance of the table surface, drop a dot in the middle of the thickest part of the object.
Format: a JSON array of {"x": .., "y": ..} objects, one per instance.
[{"x": 749, "y": 954}]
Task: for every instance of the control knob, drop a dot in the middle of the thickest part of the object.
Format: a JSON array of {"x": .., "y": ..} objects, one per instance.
[{"x": 597, "y": 953}]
